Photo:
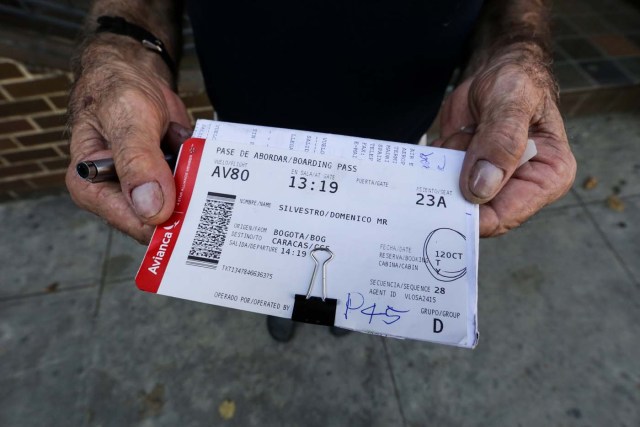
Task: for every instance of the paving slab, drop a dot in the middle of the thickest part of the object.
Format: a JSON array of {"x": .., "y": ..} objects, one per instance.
[
  {"x": 607, "y": 147},
  {"x": 569, "y": 199},
  {"x": 49, "y": 243},
  {"x": 558, "y": 345},
  {"x": 123, "y": 258},
  {"x": 43, "y": 364},
  {"x": 622, "y": 230},
  {"x": 162, "y": 361}
]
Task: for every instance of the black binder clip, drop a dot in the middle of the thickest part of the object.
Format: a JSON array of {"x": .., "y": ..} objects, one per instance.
[{"x": 316, "y": 310}]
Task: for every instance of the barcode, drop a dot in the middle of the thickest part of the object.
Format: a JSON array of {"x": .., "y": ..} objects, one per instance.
[{"x": 206, "y": 248}]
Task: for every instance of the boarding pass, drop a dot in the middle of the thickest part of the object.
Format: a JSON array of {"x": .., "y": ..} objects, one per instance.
[{"x": 375, "y": 233}]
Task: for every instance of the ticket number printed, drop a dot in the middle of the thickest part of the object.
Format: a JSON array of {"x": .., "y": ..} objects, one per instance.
[{"x": 254, "y": 202}]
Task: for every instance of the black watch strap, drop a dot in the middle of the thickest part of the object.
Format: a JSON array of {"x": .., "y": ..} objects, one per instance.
[{"x": 118, "y": 25}]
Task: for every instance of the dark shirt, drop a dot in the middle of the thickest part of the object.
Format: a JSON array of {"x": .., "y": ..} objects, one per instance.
[{"x": 371, "y": 68}]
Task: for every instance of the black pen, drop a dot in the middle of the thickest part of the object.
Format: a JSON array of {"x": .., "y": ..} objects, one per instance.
[{"x": 104, "y": 169}]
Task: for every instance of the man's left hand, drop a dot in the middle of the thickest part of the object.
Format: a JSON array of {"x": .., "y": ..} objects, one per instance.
[{"x": 491, "y": 115}]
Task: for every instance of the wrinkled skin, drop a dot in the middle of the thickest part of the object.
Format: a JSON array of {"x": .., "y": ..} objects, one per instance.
[
  {"x": 135, "y": 112},
  {"x": 505, "y": 103}
]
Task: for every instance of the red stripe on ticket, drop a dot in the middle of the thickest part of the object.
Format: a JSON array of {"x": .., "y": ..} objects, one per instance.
[{"x": 165, "y": 235}]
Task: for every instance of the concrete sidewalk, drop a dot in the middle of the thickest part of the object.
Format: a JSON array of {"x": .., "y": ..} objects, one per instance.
[{"x": 559, "y": 312}]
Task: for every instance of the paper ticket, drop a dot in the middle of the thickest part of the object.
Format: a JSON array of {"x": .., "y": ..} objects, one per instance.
[{"x": 249, "y": 218}]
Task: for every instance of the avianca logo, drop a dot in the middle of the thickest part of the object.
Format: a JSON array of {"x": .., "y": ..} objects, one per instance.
[
  {"x": 171, "y": 227},
  {"x": 162, "y": 250}
]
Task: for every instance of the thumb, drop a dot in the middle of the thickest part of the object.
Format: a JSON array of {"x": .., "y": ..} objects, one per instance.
[
  {"x": 494, "y": 153},
  {"x": 134, "y": 128}
]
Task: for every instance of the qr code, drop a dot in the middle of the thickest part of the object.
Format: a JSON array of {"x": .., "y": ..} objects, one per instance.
[{"x": 206, "y": 248}]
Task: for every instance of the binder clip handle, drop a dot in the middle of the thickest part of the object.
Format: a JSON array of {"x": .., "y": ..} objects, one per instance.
[{"x": 315, "y": 271}]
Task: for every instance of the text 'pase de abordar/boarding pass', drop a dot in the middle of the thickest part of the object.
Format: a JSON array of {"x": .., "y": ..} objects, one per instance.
[{"x": 254, "y": 202}]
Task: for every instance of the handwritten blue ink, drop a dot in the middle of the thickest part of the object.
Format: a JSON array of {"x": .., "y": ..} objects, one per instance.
[
  {"x": 389, "y": 313},
  {"x": 348, "y": 305},
  {"x": 424, "y": 160},
  {"x": 444, "y": 159},
  {"x": 385, "y": 313}
]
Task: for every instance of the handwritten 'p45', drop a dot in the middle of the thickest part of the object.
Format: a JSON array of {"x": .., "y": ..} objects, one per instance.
[{"x": 356, "y": 301}]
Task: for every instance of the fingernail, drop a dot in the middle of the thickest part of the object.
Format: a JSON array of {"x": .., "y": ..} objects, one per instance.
[
  {"x": 147, "y": 199},
  {"x": 184, "y": 132},
  {"x": 179, "y": 130},
  {"x": 470, "y": 129},
  {"x": 486, "y": 179}
]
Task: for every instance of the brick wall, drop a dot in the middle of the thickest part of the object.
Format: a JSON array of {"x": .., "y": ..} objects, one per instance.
[
  {"x": 33, "y": 150},
  {"x": 33, "y": 144}
]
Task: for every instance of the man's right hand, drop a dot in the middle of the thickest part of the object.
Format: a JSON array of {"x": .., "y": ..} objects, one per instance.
[{"x": 123, "y": 110}]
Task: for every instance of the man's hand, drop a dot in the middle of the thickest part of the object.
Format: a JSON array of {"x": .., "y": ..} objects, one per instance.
[
  {"x": 507, "y": 101},
  {"x": 123, "y": 110},
  {"x": 122, "y": 105}
]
